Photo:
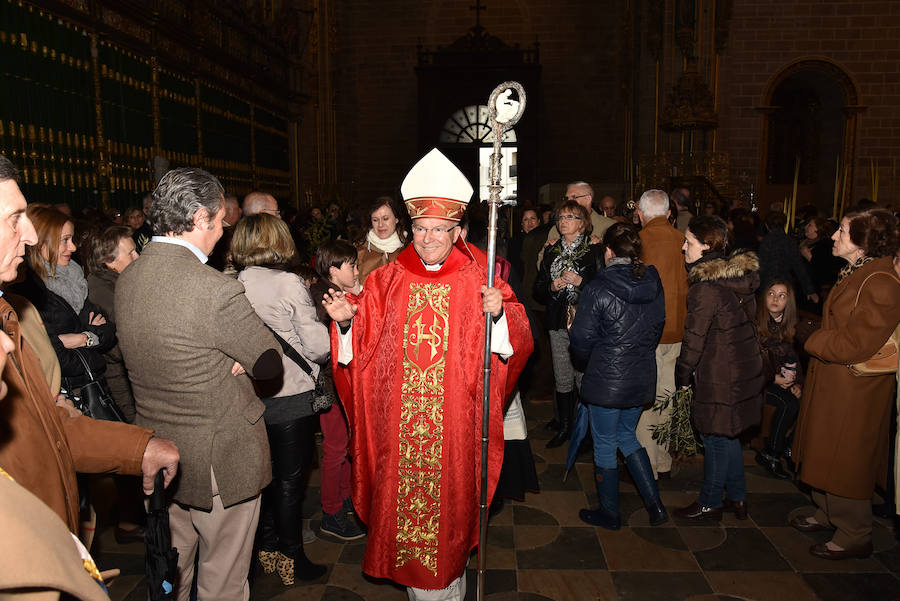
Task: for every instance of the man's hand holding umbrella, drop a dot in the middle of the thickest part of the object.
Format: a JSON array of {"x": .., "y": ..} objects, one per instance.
[{"x": 160, "y": 454}]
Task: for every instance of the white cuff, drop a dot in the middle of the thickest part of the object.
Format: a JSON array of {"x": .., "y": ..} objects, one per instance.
[
  {"x": 500, "y": 338},
  {"x": 345, "y": 345}
]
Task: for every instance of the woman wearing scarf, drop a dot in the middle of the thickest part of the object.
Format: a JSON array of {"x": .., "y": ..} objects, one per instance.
[
  {"x": 567, "y": 267},
  {"x": 842, "y": 438},
  {"x": 385, "y": 239},
  {"x": 56, "y": 286}
]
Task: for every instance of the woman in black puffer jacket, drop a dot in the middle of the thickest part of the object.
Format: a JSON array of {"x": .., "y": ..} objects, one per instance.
[
  {"x": 721, "y": 354},
  {"x": 56, "y": 286},
  {"x": 616, "y": 330}
]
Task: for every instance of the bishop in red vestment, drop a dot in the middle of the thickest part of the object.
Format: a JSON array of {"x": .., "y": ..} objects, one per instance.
[{"x": 408, "y": 354}]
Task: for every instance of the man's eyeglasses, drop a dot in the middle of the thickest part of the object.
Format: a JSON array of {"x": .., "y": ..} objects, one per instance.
[
  {"x": 566, "y": 217},
  {"x": 575, "y": 197},
  {"x": 421, "y": 231}
]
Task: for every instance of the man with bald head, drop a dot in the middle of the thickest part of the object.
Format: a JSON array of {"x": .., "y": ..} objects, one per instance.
[
  {"x": 260, "y": 202},
  {"x": 583, "y": 194},
  {"x": 608, "y": 206}
]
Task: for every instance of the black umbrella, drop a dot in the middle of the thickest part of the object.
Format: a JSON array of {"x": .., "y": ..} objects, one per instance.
[{"x": 162, "y": 558}]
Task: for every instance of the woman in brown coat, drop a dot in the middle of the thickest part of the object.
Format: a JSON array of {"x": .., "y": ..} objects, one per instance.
[
  {"x": 841, "y": 443},
  {"x": 386, "y": 238},
  {"x": 719, "y": 351}
]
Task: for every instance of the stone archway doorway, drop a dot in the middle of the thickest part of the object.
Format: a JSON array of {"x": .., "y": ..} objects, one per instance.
[{"x": 810, "y": 110}]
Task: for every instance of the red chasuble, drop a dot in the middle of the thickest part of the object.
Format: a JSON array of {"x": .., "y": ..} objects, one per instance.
[{"x": 412, "y": 394}]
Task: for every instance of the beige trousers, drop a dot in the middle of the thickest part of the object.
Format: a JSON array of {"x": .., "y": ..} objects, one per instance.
[
  {"x": 225, "y": 540},
  {"x": 851, "y": 518},
  {"x": 666, "y": 356}
]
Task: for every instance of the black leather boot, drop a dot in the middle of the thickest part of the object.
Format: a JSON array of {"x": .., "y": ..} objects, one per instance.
[{"x": 565, "y": 403}]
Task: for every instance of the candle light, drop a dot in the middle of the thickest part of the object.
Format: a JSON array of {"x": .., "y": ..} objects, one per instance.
[
  {"x": 837, "y": 187},
  {"x": 790, "y": 224}
]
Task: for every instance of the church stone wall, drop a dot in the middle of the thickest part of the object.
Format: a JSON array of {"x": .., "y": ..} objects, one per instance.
[{"x": 862, "y": 37}]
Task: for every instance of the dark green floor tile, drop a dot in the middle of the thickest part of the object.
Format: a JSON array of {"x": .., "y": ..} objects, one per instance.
[
  {"x": 551, "y": 479},
  {"x": 774, "y": 509},
  {"x": 744, "y": 549},
  {"x": 495, "y": 581},
  {"x": 854, "y": 587},
  {"x": 573, "y": 549},
  {"x": 657, "y": 586},
  {"x": 336, "y": 593},
  {"x": 531, "y": 516},
  {"x": 668, "y": 538}
]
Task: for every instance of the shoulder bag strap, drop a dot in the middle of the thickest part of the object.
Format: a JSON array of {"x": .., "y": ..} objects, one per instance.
[
  {"x": 869, "y": 277},
  {"x": 291, "y": 353},
  {"x": 87, "y": 368}
]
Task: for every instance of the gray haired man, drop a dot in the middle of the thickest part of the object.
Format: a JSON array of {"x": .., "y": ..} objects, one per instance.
[{"x": 189, "y": 376}]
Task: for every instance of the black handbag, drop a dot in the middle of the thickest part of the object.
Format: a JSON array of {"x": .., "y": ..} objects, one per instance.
[
  {"x": 323, "y": 395},
  {"x": 92, "y": 399}
]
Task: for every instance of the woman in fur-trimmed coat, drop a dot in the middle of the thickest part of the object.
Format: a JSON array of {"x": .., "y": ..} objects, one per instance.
[{"x": 720, "y": 353}]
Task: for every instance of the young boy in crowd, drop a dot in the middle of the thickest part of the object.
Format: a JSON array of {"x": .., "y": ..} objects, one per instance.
[{"x": 337, "y": 269}]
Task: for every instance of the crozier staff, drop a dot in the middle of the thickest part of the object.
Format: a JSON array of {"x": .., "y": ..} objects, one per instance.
[{"x": 405, "y": 347}]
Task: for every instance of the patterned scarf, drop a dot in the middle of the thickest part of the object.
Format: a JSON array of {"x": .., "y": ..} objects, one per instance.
[
  {"x": 568, "y": 256},
  {"x": 851, "y": 267}
]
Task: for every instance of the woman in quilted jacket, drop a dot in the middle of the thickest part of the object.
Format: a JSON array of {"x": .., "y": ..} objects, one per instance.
[
  {"x": 721, "y": 354},
  {"x": 616, "y": 330}
]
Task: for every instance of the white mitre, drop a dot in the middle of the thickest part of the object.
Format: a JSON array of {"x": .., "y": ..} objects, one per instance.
[{"x": 436, "y": 188}]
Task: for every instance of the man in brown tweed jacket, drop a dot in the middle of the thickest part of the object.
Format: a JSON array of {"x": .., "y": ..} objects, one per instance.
[{"x": 188, "y": 334}]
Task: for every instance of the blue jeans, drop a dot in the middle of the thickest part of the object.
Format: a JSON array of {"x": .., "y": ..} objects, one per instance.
[
  {"x": 612, "y": 429},
  {"x": 723, "y": 470}
]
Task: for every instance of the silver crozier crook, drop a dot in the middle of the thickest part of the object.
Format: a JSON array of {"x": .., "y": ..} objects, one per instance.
[{"x": 504, "y": 112}]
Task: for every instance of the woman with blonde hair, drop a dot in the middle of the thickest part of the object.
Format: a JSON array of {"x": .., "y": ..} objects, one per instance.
[{"x": 262, "y": 249}]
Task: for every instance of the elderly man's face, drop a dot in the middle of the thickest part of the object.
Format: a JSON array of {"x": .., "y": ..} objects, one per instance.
[
  {"x": 16, "y": 230},
  {"x": 433, "y": 239},
  {"x": 608, "y": 206},
  {"x": 580, "y": 194}
]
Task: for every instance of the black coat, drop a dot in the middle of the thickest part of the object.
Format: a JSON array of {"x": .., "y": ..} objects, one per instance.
[
  {"x": 780, "y": 259},
  {"x": 557, "y": 302},
  {"x": 616, "y": 331},
  {"x": 60, "y": 318}
]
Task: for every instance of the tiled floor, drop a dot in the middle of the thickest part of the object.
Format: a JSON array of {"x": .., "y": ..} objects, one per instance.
[{"x": 539, "y": 550}]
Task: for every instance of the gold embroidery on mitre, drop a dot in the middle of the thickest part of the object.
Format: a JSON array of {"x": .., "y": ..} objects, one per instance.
[{"x": 421, "y": 433}]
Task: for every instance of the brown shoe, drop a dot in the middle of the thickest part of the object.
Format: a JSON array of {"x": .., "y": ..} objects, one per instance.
[
  {"x": 804, "y": 525},
  {"x": 696, "y": 511},
  {"x": 860, "y": 552},
  {"x": 738, "y": 507}
]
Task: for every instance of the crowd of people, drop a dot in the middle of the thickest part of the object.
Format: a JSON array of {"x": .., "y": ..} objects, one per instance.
[{"x": 227, "y": 334}]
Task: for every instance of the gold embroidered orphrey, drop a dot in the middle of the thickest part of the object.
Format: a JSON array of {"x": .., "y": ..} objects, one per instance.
[{"x": 422, "y": 424}]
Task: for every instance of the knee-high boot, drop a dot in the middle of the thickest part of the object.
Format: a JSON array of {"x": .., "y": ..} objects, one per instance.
[
  {"x": 639, "y": 466},
  {"x": 565, "y": 402},
  {"x": 607, "y": 514}
]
